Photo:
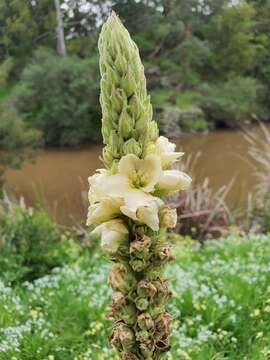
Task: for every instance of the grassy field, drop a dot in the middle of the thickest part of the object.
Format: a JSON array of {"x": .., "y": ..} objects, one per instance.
[{"x": 221, "y": 304}]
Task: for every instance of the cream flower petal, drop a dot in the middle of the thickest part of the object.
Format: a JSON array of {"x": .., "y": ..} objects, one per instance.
[
  {"x": 105, "y": 210},
  {"x": 113, "y": 233},
  {"x": 173, "y": 180},
  {"x": 166, "y": 150},
  {"x": 114, "y": 185},
  {"x": 103, "y": 186},
  {"x": 142, "y": 173},
  {"x": 142, "y": 207},
  {"x": 149, "y": 216}
]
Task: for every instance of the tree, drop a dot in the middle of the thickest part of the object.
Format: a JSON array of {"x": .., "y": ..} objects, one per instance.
[
  {"x": 17, "y": 141},
  {"x": 25, "y": 25},
  {"x": 232, "y": 41},
  {"x": 61, "y": 47}
]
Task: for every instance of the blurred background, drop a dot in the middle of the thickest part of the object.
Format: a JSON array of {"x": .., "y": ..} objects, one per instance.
[{"x": 208, "y": 73}]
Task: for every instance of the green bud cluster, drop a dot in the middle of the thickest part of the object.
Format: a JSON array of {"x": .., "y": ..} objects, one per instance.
[
  {"x": 127, "y": 125},
  {"x": 142, "y": 325}
]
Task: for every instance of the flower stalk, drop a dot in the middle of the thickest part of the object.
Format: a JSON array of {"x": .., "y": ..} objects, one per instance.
[{"x": 127, "y": 200}]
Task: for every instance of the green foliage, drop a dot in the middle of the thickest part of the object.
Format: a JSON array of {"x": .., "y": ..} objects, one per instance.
[
  {"x": 24, "y": 25},
  {"x": 232, "y": 103},
  {"x": 59, "y": 96},
  {"x": 5, "y": 70},
  {"x": 31, "y": 245},
  {"x": 233, "y": 47},
  {"x": 17, "y": 141},
  {"x": 187, "y": 43},
  {"x": 220, "y": 302}
]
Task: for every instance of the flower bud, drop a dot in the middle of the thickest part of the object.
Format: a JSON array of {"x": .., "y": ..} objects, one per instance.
[
  {"x": 121, "y": 279},
  {"x": 162, "y": 288},
  {"x": 125, "y": 124},
  {"x": 162, "y": 345},
  {"x": 135, "y": 106},
  {"x": 153, "y": 131},
  {"x": 132, "y": 147},
  {"x": 140, "y": 246},
  {"x": 121, "y": 64},
  {"x": 167, "y": 217},
  {"x": 138, "y": 265},
  {"x": 162, "y": 325},
  {"x": 114, "y": 143},
  {"x": 122, "y": 337},
  {"x": 113, "y": 233},
  {"x": 164, "y": 253},
  {"x": 142, "y": 336},
  {"x": 129, "y": 356},
  {"x": 156, "y": 310},
  {"x": 141, "y": 303},
  {"x": 128, "y": 314},
  {"x": 107, "y": 155},
  {"x": 146, "y": 289},
  {"x": 147, "y": 350},
  {"x": 128, "y": 83},
  {"x": 145, "y": 321},
  {"x": 142, "y": 125},
  {"x": 118, "y": 301}
]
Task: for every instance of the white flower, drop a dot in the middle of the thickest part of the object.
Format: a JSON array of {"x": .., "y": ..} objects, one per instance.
[
  {"x": 103, "y": 185},
  {"x": 113, "y": 234},
  {"x": 104, "y": 210},
  {"x": 173, "y": 180},
  {"x": 142, "y": 207},
  {"x": 166, "y": 150},
  {"x": 141, "y": 173}
]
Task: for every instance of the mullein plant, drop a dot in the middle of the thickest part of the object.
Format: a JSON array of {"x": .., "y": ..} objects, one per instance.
[{"x": 127, "y": 200}]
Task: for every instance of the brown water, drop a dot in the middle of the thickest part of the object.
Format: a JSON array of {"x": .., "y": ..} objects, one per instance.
[{"x": 58, "y": 178}]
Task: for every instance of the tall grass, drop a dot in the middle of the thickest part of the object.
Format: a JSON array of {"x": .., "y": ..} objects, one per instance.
[
  {"x": 202, "y": 212},
  {"x": 259, "y": 202}
]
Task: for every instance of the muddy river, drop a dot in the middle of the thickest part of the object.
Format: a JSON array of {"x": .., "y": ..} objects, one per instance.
[{"x": 57, "y": 180}]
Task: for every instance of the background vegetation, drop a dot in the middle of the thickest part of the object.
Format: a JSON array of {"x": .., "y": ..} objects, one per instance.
[{"x": 207, "y": 63}]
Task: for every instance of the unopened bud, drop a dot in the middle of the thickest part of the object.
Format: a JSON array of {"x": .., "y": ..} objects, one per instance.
[
  {"x": 138, "y": 265},
  {"x": 153, "y": 131},
  {"x": 132, "y": 147},
  {"x": 145, "y": 321},
  {"x": 125, "y": 124},
  {"x": 162, "y": 325},
  {"x": 122, "y": 337},
  {"x": 167, "y": 217},
  {"x": 118, "y": 300},
  {"x": 121, "y": 279},
  {"x": 162, "y": 345},
  {"x": 130, "y": 356},
  {"x": 164, "y": 253},
  {"x": 140, "y": 245},
  {"x": 146, "y": 289},
  {"x": 141, "y": 303},
  {"x": 128, "y": 83},
  {"x": 147, "y": 350}
]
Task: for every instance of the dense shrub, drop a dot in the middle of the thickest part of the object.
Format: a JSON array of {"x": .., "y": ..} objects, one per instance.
[
  {"x": 232, "y": 103},
  {"x": 31, "y": 244},
  {"x": 60, "y": 97},
  {"x": 5, "y": 70},
  {"x": 17, "y": 140}
]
